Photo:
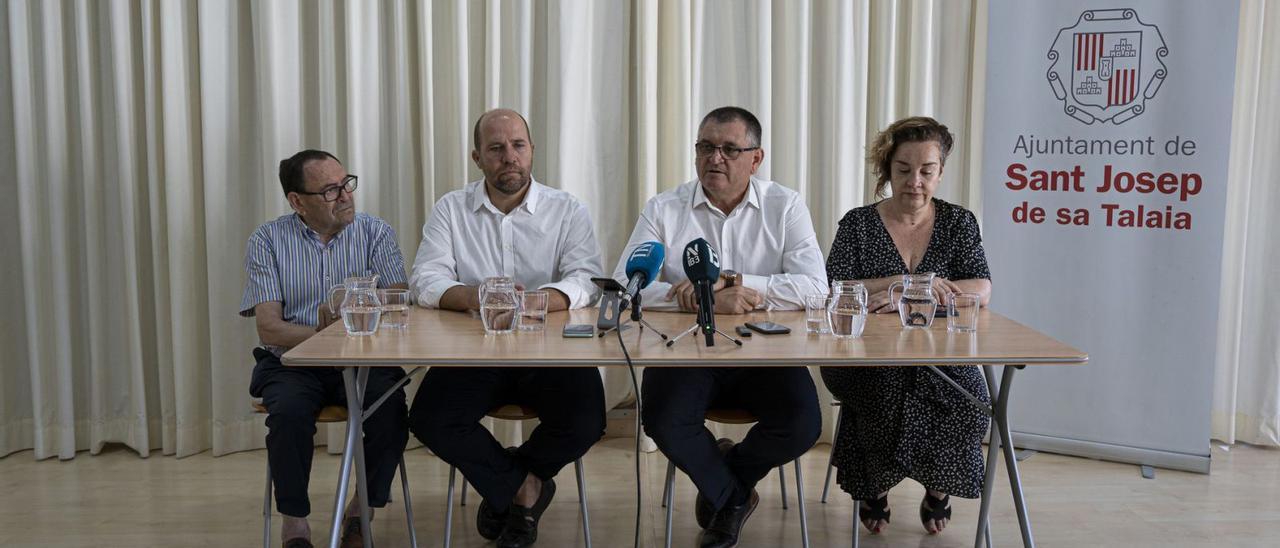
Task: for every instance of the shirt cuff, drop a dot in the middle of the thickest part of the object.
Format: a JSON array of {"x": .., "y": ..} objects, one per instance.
[
  {"x": 578, "y": 297},
  {"x": 760, "y": 284},
  {"x": 430, "y": 297}
]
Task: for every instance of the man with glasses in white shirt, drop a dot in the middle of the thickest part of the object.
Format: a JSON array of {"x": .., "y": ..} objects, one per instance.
[
  {"x": 509, "y": 225},
  {"x": 291, "y": 263},
  {"x": 770, "y": 256}
]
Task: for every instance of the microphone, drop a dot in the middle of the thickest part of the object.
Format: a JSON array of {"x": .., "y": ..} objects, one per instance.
[
  {"x": 702, "y": 267},
  {"x": 642, "y": 268}
]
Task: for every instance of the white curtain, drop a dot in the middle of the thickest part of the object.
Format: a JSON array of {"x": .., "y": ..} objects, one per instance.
[
  {"x": 139, "y": 140},
  {"x": 1246, "y": 400}
]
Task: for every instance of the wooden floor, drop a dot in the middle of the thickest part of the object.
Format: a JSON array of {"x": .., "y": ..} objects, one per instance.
[{"x": 118, "y": 499}]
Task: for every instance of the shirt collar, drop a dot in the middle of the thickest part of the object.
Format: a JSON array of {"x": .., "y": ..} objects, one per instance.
[
  {"x": 304, "y": 229},
  {"x": 752, "y": 199},
  {"x": 479, "y": 198}
]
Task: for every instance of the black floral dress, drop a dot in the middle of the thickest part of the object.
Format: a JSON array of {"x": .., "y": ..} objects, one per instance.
[{"x": 900, "y": 422}]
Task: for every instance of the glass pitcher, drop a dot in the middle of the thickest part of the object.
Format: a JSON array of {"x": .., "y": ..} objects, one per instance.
[
  {"x": 357, "y": 300},
  {"x": 498, "y": 305},
  {"x": 847, "y": 309},
  {"x": 917, "y": 305}
]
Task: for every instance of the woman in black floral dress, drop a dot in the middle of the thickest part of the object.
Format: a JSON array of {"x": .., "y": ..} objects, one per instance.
[{"x": 901, "y": 422}]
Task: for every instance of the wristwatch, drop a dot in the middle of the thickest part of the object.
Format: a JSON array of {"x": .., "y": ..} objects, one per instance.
[{"x": 731, "y": 278}]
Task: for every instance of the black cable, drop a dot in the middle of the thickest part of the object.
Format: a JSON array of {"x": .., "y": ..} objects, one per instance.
[{"x": 635, "y": 386}]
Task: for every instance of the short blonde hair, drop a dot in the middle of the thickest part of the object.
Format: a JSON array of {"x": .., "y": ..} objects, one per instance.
[{"x": 916, "y": 129}]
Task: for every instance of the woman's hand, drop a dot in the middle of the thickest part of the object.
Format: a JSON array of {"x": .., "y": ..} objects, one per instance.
[
  {"x": 943, "y": 289},
  {"x": 878, "y": 303}
]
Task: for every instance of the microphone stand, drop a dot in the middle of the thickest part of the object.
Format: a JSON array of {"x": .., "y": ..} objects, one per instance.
[
  {"x": 706, "y": 318},
  {"x": 636, "y": 316}
]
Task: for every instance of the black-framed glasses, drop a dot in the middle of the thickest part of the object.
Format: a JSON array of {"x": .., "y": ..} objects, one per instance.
[
  {"x": 330, "y": 193},
  {"x": 730, "y": 152}
]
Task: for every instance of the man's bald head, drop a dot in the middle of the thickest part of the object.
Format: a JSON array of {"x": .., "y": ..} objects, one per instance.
[{"x": 498, "y": 113}]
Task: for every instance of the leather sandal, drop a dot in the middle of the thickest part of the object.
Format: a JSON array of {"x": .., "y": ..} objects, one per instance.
[
  {"x": 934, "y": 509},
  {"x": 874, "y": 510}
]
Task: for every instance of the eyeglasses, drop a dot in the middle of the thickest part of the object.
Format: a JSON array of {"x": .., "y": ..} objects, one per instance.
[
  {"x": 330, "y": 193},
  {"x": 730, "y": 152}
]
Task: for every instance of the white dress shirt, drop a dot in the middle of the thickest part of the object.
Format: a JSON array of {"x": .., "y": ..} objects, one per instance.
[
  {"x": 545, "y": 242},
  {"x": 768, "y": 238}
]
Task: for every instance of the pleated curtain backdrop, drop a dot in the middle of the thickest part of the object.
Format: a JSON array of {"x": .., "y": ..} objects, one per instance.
[{"x": 140, "y": 140}]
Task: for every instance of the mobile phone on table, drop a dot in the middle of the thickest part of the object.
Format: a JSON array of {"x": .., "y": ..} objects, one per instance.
[
  {"x": 769, "y": 328},
  {"x": 579, "y": 331},
  {"x": 742, "y": 331}
]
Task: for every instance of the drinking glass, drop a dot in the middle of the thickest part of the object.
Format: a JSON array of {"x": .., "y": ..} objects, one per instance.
[
  {"x": 533, "y": 310},
  {"x": 395, "y": 308},
  {"x": 815, "y": 314},
  {"x": 962, "y": 313}
]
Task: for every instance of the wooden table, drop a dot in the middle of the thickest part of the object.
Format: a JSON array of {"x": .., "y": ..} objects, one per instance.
[{"x": 441, "y": 338}]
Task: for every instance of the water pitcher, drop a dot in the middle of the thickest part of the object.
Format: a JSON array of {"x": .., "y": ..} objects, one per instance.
[
  {"x": 847, "y": 309},
  {"x": 916, "y": 305},
  {"x": 499, "y": 306},
  {"x": 357, "y": 300}
]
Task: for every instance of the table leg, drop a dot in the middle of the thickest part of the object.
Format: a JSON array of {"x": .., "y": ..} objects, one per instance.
[
  {"x": 348, "y": 453},
  {"x": 355, "y": 393},
  {"x": 993, "y": 449},
  {"x": 1001, "y": 418}
]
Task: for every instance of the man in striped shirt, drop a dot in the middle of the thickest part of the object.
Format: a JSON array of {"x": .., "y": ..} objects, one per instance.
[{"x": 291, "y": 263}]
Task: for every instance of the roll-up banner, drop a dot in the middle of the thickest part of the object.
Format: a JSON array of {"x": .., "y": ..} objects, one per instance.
[{"x": 1104, "y": 192}]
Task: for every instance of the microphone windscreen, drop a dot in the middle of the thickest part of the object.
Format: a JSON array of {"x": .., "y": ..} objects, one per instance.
[
  {"x": 646, "y": 259},
  {"x": 700, "y": 262}
]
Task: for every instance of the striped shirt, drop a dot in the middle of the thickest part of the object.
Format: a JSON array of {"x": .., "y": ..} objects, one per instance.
[{"x": 286, "y": 262}]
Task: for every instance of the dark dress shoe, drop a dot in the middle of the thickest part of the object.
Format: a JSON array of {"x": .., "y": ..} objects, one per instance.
[
  {"x": 727, "y": 524},
  {"x": 352, "y": 535},
  {"x": 522, "y": 523},
  {"x": 298, "y": 542},
  {"x": 702, "y": 510},
  {"x": 489, "y": 522}
]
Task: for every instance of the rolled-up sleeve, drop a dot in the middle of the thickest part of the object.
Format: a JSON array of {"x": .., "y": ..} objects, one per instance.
[
  {"x": 263, "y": 281},
  {"x": 803, "y": 269},
  {"x": 580, "y": 260},
  {"x": 434, "y": 267},
  {"x": 387, "y": 261}
]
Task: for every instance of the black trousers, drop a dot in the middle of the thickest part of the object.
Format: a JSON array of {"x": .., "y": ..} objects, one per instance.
[
  {"x": 675, "y": 403},
  {"x": 294, "y": 395},
  {"x": 447, "y": 410}
]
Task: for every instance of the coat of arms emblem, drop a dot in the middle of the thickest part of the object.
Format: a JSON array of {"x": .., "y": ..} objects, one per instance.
[{"x": 1106, "y": 66}]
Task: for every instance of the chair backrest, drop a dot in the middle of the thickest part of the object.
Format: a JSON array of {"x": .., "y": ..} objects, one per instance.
[
  {"x": 328, "y": 413},
  {"x": 731, "y": 416}
]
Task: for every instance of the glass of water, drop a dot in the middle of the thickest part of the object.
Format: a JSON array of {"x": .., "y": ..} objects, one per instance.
[
  {"x": 815, "y": 314},
  {"x": 395, "y": 308},
  {"x": 498, "y": 305},
  {"x": 533, "y": 310},
  {"x": 962, "y": 313}
]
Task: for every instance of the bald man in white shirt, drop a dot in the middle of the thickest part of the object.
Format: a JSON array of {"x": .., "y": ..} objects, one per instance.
[
  {"x": 507, "y": 225},
  {"x": 770, "y": 257}
]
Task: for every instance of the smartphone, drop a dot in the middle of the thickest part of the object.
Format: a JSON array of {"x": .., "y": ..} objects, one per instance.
[
  {"x": 579, "y": 331},
  {"x": 769, "y": 328},
  {"x": 742, "y": 331},
  {"x": 608, "y": 284}
]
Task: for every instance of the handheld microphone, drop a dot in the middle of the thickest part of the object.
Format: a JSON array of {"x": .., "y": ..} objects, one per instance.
[
  {"x": 642, "y": 268},
  {"x": 702, "y": 267}
]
